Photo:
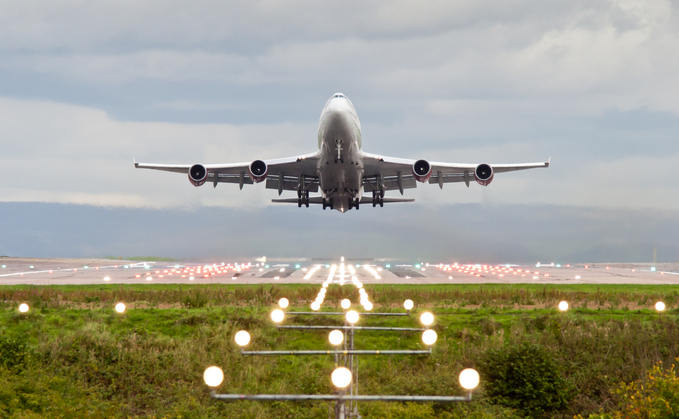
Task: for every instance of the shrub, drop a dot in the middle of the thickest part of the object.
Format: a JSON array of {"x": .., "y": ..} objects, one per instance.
[
  {"x": 524, "y": 377},
  {"x": 13, "y": 351}
]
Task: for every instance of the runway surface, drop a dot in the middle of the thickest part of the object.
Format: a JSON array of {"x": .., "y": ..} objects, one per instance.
[{"x": 31, "y": 271}]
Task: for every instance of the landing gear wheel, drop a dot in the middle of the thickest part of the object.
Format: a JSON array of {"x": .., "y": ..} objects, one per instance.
[
  {"x": 358, "y": 201},
  {"x": 325, "y": 203}
]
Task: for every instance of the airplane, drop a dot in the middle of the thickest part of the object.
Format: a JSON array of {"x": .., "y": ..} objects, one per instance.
[{"x": 340, "y": 169}]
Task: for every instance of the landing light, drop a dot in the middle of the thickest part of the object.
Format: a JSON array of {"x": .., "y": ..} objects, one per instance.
[
  {"x": 315, "y": 306},
  {"x": 213, "y": 376},
  {"x": 563, "y": 306},
  {"x": 345, "y": 303},
  {"x": 408, "y": 304},
  {"x": 283, "y": 302},
  {"x": 120, "y": 308},
  {"x": 24, "y": 307},
  {"x": 660, "y": 306}
]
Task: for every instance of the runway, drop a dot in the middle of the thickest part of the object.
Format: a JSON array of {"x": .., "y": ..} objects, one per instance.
[{"x": 32, "y": 271}]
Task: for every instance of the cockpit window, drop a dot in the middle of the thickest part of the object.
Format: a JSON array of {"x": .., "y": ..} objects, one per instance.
[{"x": 338, "y": 96}]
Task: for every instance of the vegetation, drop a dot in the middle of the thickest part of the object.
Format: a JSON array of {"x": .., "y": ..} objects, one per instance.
[{"x": 72, "y": 356}]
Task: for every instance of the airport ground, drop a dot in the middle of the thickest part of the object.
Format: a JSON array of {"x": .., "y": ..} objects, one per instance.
[{"x": 73, "y": 355}]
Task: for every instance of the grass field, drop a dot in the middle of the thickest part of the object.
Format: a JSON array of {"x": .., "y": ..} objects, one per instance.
[{"x": 72, "y": 356}]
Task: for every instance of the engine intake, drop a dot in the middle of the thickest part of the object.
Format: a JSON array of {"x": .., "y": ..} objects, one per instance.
[
  {"x": 258, "y": 171},
  {"x": 422, "y": 170},
  {"x": 483, "y": 174},
  {"x": 197, "y": 174}
]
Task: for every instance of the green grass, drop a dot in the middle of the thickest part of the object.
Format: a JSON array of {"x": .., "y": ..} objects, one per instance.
[{"x": 73, "y": 356}]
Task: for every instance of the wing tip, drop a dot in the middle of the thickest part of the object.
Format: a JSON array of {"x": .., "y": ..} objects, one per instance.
[{"x": 136, "y": 165}]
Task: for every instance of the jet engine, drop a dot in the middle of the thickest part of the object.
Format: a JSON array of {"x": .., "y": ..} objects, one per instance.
[
  {"x": 483, "y": 174},
  {"x": 197, "y": 174},
  {"x": 258, "y": 171},
  {"x": 422, "y": 170}
]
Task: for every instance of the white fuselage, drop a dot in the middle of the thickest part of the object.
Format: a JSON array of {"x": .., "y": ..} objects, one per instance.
[{"x": 340, "y": 168}]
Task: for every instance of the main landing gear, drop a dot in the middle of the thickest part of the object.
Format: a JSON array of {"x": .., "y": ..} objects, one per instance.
[
  {"x": 378, "y": 198},
  {"x": 327, "y": 203},
  {"x": 353, "y": 203},
  {"x": 303, "y": 198}
]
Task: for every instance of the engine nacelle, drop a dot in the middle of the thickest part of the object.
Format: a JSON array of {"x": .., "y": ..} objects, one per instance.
[
  {"x": 258, "y": 171},
  {"x": 483, "y": 174},
  {"x": 422, "y": 170},
  {"x": 197, "y": 174}
]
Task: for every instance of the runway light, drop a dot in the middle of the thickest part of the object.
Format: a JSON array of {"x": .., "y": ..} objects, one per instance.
[
  {"x": 368, "y": 306},
  {"x": 242, "y": 338},
  {"x": 563, "y": 306},
  {"x": 652, "y": 268},
  {"x": 190, "y": 278},
  {"x": 23, "y": 307},
  {"x": 427, "y": 318},
  {"x": 120, "y": 308},
  {"x": 4, "y": 266},
  {"x": 277, "y": 316},
  {"x": 408, "y": 304},
  {"x": 577, "y": 276},
  {"x": 336, "y": 337},
  {"x": 315, "y": 306},
  {"x": 345, "y": 303},
  {"x": 213, "y": 376},
  {"x": 660, "y": 306},
  {"x": 341, "y": 377},
  {"x": 469, "y": 379},
  {"x": 106, "y": 278},
  {"x": 283, "y": 302},
  {"x": 352, "y": 316},
  {"x": 429, "y": 337}
]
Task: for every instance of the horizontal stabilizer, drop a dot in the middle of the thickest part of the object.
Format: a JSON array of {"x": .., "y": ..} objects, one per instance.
[{"x": 319, "y": 200}]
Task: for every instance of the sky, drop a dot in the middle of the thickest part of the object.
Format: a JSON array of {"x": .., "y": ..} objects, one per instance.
[{"x": 85, "y": 87}]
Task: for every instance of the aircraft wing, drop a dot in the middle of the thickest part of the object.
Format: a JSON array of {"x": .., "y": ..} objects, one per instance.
[
  {"x": 281, "y": 174},
  {"x": 397, "y": 174}
]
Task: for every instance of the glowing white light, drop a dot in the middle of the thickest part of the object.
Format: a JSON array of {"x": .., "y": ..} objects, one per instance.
[
  {"x": 213, "y": 376},
  {"x": 368, "y": 306},
  {"x": 408, "y": 304},
  {"x": 660, "y": 306},
  {"x": 242, "y": 338},
  {"x": 106, "y": 278},
  {"x": 23, "y": 307},
  {"x": 120, "y": 308},
  {"x": 469, "y": 379},
  {"x": 282, "y": 270},
  {"x": 341, "y": 377},
  {"x": 563, "y": 306},
  {"x": 352, "y": 316},
  {"x": 283, "y": 302},
  {"x": 315, "y": 306},
  {"x": 336, "y": 337},
  {"x": 577, "y": 276},
  {"x": 148, "y": 278},
  {"x": 429, "y": 337},
  {"x": 345, "y": 303},
  {"x": 535, "y": 277},
  {"x": 190, "y": 278},
  {"x": 427, "y": 318},
  {"x": 277, "y": 316}
]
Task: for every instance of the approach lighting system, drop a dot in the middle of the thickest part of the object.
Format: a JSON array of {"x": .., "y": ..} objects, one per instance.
[
  {"x": 427, "y": 318},
  {"x": 352, "y": 316},
  {"x": 213, "y": 376},
  {"x": 408, "y": 304},
  {"x": 345, "y": 304},
  {"x": 277, "y": 316},
  {"x": 120, "y": 307},
  {"x": 242, "y": 338},
  {"x": 429, "y": 337},
  {"x": 469, "y": 379},
  {"x": 106, "y": 278},
  {"x": 315, "y": 306},
  {"x": 660, "y": 306},
  {"x": 23, "y": 307},
  {"x": 283, "y": 303},
  {"x": 336, "y": 337},
  {"x": 341, "y": 377},
  {"x": 563, "y": 306}
]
